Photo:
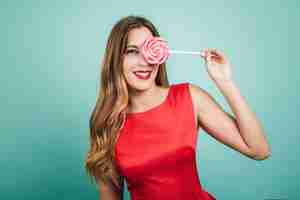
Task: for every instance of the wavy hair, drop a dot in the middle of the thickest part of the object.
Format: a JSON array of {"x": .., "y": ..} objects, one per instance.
[{"x": 112, "y": 102}]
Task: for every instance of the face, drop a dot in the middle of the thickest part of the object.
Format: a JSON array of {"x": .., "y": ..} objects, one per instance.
[{"x": 134, "y": 63}]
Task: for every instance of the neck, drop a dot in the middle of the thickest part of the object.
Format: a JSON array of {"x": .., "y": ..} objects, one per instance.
[{"x": 143, "y": 98}]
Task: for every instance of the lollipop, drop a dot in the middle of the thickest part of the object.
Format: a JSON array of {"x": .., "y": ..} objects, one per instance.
[{"x": 155, "y": 50}]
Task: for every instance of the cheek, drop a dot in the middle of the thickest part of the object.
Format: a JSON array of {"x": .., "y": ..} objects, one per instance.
[
  {"x": 127, "y": 70},
  {"x": 127, "y": 64}
]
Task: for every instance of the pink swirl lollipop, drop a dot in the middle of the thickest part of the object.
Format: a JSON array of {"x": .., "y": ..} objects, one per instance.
[{"x": 155, "y": 50}]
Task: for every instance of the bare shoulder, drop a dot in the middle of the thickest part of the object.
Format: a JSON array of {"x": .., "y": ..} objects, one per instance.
[
  {"x": 202, "y": 100},
  {"x": 195, "y": 91},
  {"x": 198, "y": 94}
]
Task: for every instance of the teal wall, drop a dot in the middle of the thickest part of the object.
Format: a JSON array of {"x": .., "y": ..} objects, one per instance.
[{"x": 50, "y": 55}]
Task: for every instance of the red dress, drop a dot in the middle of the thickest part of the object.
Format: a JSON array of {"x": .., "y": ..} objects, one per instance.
[{"x": 155, "y": 151}]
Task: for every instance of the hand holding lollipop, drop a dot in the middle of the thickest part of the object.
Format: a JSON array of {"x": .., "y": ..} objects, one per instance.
[{"x": 218, "y": 66}]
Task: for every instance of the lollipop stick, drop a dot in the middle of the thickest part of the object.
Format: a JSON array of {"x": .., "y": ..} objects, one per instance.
[{"x": 184, "y": 52}]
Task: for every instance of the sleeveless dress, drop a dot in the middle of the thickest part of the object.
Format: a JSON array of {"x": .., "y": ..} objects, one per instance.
[{"x": 155, "y": 150}]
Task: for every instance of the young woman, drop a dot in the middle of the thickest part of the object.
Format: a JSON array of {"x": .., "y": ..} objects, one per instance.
[{"x": 144, "y": 130}]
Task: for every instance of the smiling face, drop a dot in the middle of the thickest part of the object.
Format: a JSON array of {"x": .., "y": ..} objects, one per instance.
[{"x": 138, "y": 74}]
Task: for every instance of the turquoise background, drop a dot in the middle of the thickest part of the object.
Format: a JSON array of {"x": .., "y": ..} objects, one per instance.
[{"x": 50, "y": 56}]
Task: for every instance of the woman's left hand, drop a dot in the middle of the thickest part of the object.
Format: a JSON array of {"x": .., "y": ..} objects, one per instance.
[{"x": 218, "y": 66}]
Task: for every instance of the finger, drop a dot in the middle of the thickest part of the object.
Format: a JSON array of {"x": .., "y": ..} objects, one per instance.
[
  {"x": 218, "y": 52},
  {"x": 213, "y": 51},
  {"x": 218, "y": 56},
  {"x": 208, "y": 58},
  {"x": 208, "y": 61},
  {"x": 204, "y": 51},
  {"x": 202, "y": 54}
]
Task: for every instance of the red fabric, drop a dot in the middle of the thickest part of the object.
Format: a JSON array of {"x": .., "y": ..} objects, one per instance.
[{"x": 155, "y": 151}]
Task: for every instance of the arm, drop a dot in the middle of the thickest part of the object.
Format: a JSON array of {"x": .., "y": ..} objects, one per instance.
[
  {"x": 107, "y": 192},
  {"x": 243, "y": 134}
]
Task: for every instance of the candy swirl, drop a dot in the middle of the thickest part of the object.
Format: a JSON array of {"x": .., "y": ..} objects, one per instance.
[{"x": 155, "y": 50}]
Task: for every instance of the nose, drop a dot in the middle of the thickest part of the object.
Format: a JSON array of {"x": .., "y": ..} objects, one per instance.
[{"x": 142, "y": 60}]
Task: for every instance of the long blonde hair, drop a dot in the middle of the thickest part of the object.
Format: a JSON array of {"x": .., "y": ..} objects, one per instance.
[{"x": 112, "y": 101}]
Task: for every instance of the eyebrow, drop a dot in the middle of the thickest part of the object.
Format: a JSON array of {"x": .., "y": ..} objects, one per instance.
[{"x": 132, "y": 46}]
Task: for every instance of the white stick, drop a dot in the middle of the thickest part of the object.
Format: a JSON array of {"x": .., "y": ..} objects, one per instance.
[{"x": 183, "y": 52}]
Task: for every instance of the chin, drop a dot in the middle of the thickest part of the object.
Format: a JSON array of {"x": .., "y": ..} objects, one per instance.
[{"x": 141, "y": 86}]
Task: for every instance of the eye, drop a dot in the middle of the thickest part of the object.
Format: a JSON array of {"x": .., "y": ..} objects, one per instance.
[{"x": 132, "y": 51}]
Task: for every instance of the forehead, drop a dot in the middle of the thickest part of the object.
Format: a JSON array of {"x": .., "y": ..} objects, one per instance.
[{"x": 137, "y": 36}]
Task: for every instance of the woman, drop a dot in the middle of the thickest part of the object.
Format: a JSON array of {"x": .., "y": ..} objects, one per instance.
[{"x": 144, "y": 130}]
